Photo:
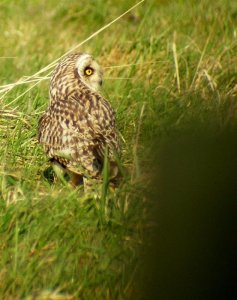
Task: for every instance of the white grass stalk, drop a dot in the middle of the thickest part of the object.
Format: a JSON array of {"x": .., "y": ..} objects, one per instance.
[
  {"x": 136, "y": 172},
  {"x": 126, "y": 78},
  {"x": 199, "y": 63},
  {"x": 176, "y": 65},
  {"x": 136, "y": 64}
]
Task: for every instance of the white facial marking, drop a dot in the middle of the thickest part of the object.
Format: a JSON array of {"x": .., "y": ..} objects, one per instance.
[
  {"x": 81, "y": 59},
  {"x": 93, "y": 81}
]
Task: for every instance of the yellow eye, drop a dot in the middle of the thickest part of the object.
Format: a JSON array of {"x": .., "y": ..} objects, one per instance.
[{"x": 88, "y": 71}]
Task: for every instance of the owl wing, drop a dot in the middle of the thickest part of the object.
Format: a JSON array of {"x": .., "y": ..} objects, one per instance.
[
  {"x": 76, "y": 134},
  {"x": 99, "y": 119}
]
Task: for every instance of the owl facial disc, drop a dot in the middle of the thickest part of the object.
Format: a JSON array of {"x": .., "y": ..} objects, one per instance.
[{"x": 89, "y": 71}]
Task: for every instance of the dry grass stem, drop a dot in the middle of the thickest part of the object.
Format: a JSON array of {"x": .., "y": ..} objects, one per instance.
[
  {"x": 34, "y": 77},
  {"x": 176, "y": 65}
]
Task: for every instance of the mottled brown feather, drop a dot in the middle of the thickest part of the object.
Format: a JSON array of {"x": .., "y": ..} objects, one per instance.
[{"x": 78, "y": 124}]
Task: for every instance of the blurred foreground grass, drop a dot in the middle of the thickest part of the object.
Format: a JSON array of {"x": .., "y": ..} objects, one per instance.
[{"x": 174, "y": 60}]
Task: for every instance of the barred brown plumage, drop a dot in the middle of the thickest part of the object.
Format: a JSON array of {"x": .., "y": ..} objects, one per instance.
[{"x": 79, "y": 123}]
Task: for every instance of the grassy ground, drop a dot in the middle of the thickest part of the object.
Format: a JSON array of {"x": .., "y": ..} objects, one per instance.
[{"x": 181, "y": 61}]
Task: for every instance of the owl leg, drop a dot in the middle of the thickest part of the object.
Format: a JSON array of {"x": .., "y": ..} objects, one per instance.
[
  {"x": 75, "y": 179},
  {"x": 66, "y": 175},
  {"x": 59, "y": 171}
]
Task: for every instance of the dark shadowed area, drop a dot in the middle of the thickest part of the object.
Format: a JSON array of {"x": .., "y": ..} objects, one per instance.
[{"x": 190, "y": 253}]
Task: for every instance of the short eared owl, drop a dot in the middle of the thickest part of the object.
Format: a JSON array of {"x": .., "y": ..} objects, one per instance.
[{"x": 79, "y": 124}]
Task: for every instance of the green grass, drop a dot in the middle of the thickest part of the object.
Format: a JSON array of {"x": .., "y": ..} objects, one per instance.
[{"x": 183, "y": 57}]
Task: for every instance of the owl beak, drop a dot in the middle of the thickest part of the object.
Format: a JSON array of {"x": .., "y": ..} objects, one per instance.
[{"x": 100, "y": 82}]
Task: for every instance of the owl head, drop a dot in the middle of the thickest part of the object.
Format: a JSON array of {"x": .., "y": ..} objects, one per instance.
[
  {"x": 89, "y": 71},
  {"x": 72, "y": 73}
]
